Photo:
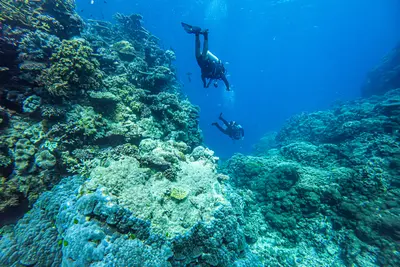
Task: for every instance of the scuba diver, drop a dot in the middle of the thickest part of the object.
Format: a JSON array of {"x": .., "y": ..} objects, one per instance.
[
  {"x": 212, "y": 68},
  {"x": 233, "y": 129}
]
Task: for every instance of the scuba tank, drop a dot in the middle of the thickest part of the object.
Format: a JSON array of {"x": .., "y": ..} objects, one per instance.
[
  {"x": 213, "y": 57},
  {"x": 218, "y": 66}
]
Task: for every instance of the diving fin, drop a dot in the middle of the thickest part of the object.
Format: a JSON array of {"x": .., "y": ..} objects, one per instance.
[{"x": 191, "y": 29}]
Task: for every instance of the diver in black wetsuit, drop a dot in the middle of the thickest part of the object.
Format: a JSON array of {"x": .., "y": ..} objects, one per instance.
[
  {"x": 233, "y": 129},
  {"x": 211, "y": 67}
]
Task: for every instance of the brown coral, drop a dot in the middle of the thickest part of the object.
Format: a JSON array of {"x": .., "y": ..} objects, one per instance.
[{"x": 73, "y": 68}]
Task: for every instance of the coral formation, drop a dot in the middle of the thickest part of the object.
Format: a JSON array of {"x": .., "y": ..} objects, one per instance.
[
  {"x": 94, "y": 229},
  {"x": 101, "y": 101},
  {"x": 32, "y": 104},
  {"x": 55, "y": 16},
  {"x": 329, "y": 185},
  {"x": 23, "y": 154},
  {"x": 73, "y": 68},
  {"x": 151, "y": 196},
  {"x": 45, "y": 160},
  {"x": 125, "y": 50},
  {"x": 78, "y": 116}
]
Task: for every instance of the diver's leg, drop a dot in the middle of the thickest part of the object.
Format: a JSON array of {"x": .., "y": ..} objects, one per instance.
[
  {"x": 223, "y": 120},
  {"x": 197, "y": 46},
  {"x": 220, "y": 128},
  {"x": 205, "y": 44}
]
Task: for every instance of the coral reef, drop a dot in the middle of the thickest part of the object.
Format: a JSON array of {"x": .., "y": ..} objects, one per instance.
[
  {"x": 73, "y": 67},
  {"x": 97, "y": 140},
  {"x": 54, "y": 16},
  {"x": 150, "y": 196},
  {"x": 328, "y": 188},
  {"x": 30, "y": 31},
  {"x": 72, "y": 96},
  {"x": 92, "y": 228}
]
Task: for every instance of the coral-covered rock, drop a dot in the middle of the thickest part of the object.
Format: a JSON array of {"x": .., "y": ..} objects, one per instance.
[
  {"x": 385, "y": 76},
  {"x": 73, "y": 68},
  {"x": 23, "y": 155},
  {"x": 339, "y": 164},
  {"x": 74, "y": 227},
  {"x": 149, "y": 195},
  {"x": 125, "y": 50},
  {"x": 45, "y": 160},
  {"x": 32, "y": 104}
]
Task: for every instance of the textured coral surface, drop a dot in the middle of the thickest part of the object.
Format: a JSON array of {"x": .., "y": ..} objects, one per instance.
[{"x": 102, "y": 161}]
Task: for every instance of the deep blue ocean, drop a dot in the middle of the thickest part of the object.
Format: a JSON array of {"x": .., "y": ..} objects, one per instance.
[{"x": 283, "y": 57}]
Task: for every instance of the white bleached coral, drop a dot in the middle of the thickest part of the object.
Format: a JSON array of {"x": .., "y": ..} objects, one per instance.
[{"x": 152, "y": 197}]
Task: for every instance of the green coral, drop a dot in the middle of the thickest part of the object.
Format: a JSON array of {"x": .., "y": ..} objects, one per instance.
[
  {"x": 35, "y": 133},
  {"x": 178, "y": 193},
  {"x": 125, "y": 50},
  {"x": 87, "y": 121},
  {"x": 5, "y": 161},
  {"x": 23, "y": 154},
  {"x": 8, "y": 194},
  {"x": 45, "y": 160},
  {"x": 73, "y": 68},
  {"x": 31, "y": 104}
]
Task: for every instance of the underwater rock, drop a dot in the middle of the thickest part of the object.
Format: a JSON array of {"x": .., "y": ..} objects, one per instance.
[{"x": 385, "y": 76}]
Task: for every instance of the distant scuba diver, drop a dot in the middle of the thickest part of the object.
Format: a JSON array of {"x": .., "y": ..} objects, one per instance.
[
  {"x": 189, "y": 75},
  {"x": 212, "y": 68},
  {"x": 233, "y": 129}
]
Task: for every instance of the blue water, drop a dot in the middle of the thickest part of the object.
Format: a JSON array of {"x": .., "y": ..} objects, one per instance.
[{"x": 285, "y": 57}]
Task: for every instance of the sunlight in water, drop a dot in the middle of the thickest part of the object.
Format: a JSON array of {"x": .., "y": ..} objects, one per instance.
[
  {"x": 216, "y": 10},
  {"x": 229, "y": 99}
]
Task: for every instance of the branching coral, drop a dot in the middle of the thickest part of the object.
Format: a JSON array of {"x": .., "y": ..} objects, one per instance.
[{"x": 73, "y": 68}]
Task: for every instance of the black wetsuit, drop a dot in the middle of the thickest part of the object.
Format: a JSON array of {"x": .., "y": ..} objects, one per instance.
[
  {"x": 211, "y": 68},
  {"x": 233, "y": 130}
]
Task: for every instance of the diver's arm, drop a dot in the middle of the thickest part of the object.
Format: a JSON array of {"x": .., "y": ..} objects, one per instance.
[
  {"x": 242, "y": 132},
  {"x": 223, "y": 78}
]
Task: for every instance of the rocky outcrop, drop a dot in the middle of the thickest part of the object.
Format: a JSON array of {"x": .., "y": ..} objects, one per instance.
[{"x": 385, "y": 76}]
